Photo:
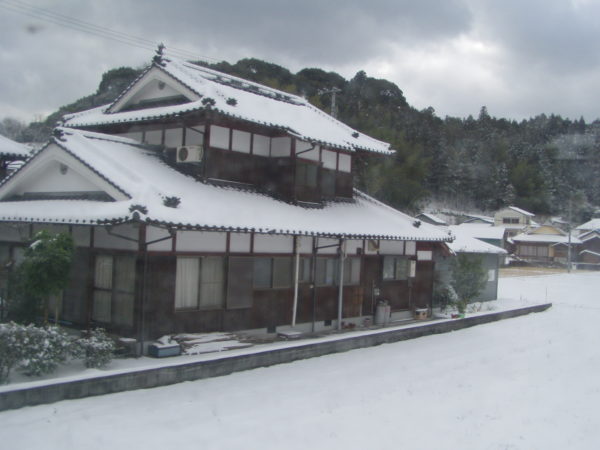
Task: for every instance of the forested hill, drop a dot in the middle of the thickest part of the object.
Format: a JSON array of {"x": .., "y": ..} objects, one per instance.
[{"x": 473, "y": 163}]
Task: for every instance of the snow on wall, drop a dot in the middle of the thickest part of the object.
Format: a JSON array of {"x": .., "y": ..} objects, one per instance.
[
  {"x": 58, "y": 177},
  {"x": 102, "y": 238},
  {"x": 264, "y": 243},
  {"x": 219, "y": 137},
  {"x": 281, "y": 146},
  {"x": 240, "y": 141},
  {"x": 239, "y": 242},
  {"x": 173, "y": 137},
  {"x": 305, "y": 244},
  {"x": 261, "y": 145},
  {"x": 81, "y": 235},
  {"x": 352, "y": 246},
  {"x": 303, "y": 148},
  {"x": 391, "y": 247},
  {"x": 153, "y": 233},
  {"x": 14, "y": 233},
  {"x": 201, "y": 241}
]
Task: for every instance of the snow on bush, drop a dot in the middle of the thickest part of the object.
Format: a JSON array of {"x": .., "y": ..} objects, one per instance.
[
  {"x": 96, "y": 349},
  {"x": 43, "y": 350},
  {"x": 39, "y": 350},
  {"x": 35, "y": 351}
]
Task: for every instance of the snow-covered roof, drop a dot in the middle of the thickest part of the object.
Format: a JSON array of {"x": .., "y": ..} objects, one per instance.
[
  {"x": 593, "y": 224},
  {"x": 239, "y": 99},
  {"x": 545, "y": 238},
  {"x": 12, "y": 148},
  {"x": 521, "y": 211},
  {"x": 464, "y": 242},
  {"x": 589, "y": 235},
  {"x": 433, "y": 219},
  {"x": 482, "y": 230},
  {"x": 486, "y": 219},
  {"x": 143, "y": 179}
]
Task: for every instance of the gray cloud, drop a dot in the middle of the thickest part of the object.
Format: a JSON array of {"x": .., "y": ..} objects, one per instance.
[{"x": 518, "y": 58}]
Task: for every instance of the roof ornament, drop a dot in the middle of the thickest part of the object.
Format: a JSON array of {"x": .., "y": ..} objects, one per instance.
[
  {"x": 158, "y": 57},
  {"x": 59, "y": 134}
]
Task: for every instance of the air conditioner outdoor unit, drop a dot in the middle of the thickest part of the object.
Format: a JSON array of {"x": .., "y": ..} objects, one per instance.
[{"x": 190, "y": 154}]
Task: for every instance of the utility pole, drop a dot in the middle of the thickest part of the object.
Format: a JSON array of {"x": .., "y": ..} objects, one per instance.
[
  {"x": 569, "y": 245},
  {"x": 333, "y": 91}
]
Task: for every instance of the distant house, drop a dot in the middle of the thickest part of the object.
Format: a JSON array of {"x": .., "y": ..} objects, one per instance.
[
  {"x": 11, "y": 155},
  {"x": 590, "y": 225},
  {"x": 490, "y": 256},
  {"x": 204, "y": 202},
  {"x": 473, "y": 218},
  {"x": 513, "y": 219},
  {"x": 431, "y": 219},
  {"x": 485, "y": 232},
  {"x": 546, "y": 244}
]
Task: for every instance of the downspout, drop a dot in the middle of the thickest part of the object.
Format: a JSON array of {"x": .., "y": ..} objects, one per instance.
[
  {"x": 342, "y": 251},
  {"x": 314, "y": 282},
  {"x": 296, "y": 278}
]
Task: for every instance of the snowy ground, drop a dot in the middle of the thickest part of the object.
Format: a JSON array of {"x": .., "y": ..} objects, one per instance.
[{"x": 525, "y": 383}]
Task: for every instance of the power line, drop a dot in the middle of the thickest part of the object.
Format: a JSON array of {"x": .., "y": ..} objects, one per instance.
[{"x": 90, "y": 28}]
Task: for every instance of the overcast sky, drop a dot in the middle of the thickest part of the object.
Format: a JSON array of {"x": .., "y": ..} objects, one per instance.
[{"x": 518, "y": 57}]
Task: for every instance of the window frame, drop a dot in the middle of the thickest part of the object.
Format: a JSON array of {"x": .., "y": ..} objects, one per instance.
[{"x": 199, "y": 306}]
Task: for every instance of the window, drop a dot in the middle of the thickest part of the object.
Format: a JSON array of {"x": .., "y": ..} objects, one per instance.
[
  {"x": 328, "y": 183},
  {"x": 395, "y": 268},
  {"x": 199, "y": 283},
  {"x": 306, "y": 174},
  {"x": 328, "y": 271},
  {"x": 273, "y": 272},
  {"x": 114, "y": 289},
  {"x": 510, "y": 220},
  {"x": 351, "y": 271}
]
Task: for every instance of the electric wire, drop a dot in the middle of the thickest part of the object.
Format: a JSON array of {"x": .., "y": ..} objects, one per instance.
[{"x": 90, "y": 28}]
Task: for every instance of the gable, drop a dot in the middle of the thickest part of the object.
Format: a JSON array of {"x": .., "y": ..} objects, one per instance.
[
  {"x": 548, "y": 229},
  {"x": 154, "y": 89},
  {"x": 55, "y": 174}
]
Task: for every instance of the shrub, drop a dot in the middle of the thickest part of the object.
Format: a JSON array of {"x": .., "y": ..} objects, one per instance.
[
  {"x": 468, "y": 279},
  {"x": 12, "y": 337},
  {"x": 43, "y": 349},
  {"x": 96, "y": 349},
  {"x": 445, "y": 296}
]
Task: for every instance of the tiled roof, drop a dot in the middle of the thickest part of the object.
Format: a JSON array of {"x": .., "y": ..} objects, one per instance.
[
  {"x": 143, "y": 176},
  {"x": 11, "y": 148},
  {"x": 253, "y": 102}
]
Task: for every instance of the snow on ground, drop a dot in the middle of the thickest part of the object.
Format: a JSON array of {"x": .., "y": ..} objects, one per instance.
[{"x": 524, "y": 383}]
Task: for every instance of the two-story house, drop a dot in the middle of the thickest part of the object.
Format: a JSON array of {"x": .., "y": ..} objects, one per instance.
[{"x": 202, "y": 202}]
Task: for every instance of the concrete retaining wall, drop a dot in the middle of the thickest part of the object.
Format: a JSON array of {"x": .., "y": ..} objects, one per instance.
[{"x": 223, "y": 366}]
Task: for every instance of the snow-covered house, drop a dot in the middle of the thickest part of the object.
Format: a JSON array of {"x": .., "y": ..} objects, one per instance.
[
  {"x": 11, "y": 154},
  {"x": 212, "y": 203},
  {"x": 485, "y": 232},
  {"x": 513, "y": 219},
  {"x": 490, "y": 256},
  {"x": 546, "y": 243}
]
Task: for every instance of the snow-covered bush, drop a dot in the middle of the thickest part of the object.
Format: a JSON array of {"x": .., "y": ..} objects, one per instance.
[
  {"x": 445, "y": 296},
  {"x": 43, "y": 349},
  {"x": 12, "y": 336},
  {"x": 96, "y": 349}
]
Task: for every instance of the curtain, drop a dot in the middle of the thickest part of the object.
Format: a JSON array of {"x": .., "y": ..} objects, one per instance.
[
  {"x": 186, "y": 283},
  {"x": 212, "y": 282}
]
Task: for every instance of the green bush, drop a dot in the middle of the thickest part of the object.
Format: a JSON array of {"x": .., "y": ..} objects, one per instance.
[
  {"x": 96, "y": 349},
  {"x": 39, "y": 350}
]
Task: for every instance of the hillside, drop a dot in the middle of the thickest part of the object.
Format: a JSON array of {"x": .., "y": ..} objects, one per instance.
[{"x": 480, "y": 163}]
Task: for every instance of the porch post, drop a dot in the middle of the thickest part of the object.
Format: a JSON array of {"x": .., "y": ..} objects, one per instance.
[
  {"x": 296, "y": 272},
  {"x": 342, "y": 250}
]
